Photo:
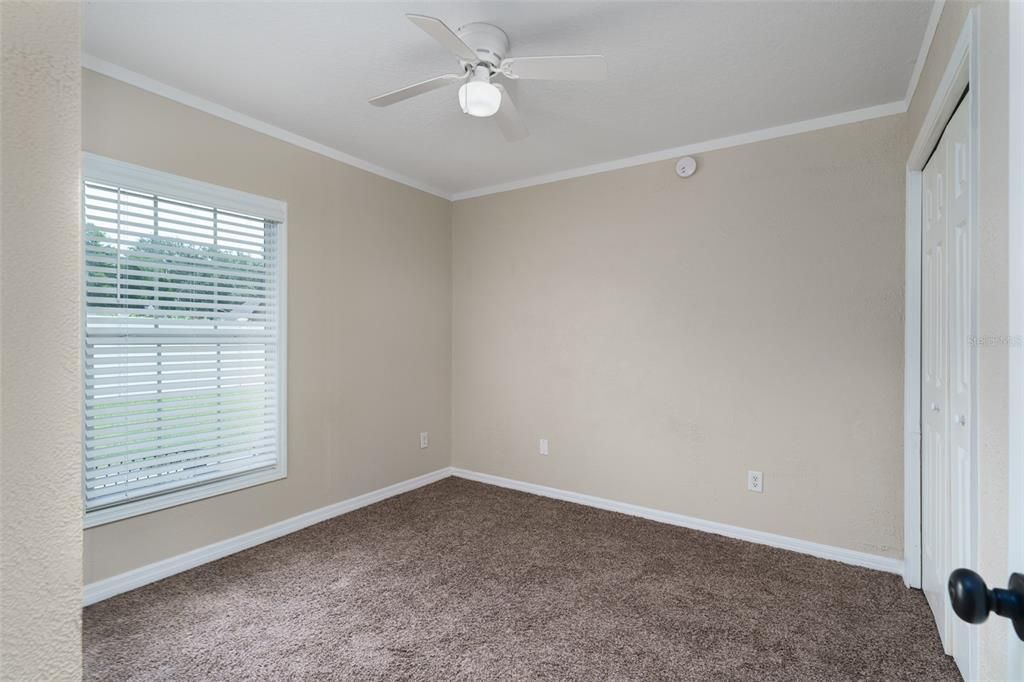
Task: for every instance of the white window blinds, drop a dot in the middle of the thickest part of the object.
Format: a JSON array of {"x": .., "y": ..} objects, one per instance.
[{"x": 183, "y": 344}]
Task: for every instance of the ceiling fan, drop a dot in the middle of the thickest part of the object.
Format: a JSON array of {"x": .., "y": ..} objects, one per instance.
[{"x": 482, "y": 49}]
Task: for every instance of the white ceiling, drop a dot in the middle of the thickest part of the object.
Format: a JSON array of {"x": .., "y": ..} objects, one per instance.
[{"x": 680, "y": 73}]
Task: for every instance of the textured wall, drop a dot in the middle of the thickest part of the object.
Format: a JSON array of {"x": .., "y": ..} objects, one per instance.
[
  {"x": 40, "y": 487},
  {"x": 369, "y": 320},
  {"x": 993, "y": 289},
  {"x": 667, "y": 335}
]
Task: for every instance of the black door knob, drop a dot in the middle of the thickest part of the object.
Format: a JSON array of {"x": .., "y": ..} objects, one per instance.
[{"x": 972, "y": 600}]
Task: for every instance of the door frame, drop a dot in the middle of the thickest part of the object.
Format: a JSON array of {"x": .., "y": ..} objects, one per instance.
[
  {"x": 961, "y": 72},
  {"x": 1016, "y": 329}
]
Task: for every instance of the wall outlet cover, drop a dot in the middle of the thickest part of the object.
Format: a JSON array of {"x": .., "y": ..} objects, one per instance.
[
  {"x": 542, "y": 448},
  {"x": 424, "y": 440},
  {"x": 755, "y": 481}
]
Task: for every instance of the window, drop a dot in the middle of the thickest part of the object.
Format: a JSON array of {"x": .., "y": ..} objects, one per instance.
[{"x": 184, "y": 340}]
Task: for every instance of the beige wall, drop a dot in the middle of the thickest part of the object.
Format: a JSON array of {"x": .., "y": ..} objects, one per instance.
[
  {"x": 625, "y": 316},
  {"x": 667, "y": 335},
  {"x": 993, "y": 303},
  {"x": 40, "y": 468},
  {"x": 369, "y": 319}
]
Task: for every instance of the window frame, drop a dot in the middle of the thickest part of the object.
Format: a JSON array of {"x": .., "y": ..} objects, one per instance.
[{"x": 100, "y": 169}]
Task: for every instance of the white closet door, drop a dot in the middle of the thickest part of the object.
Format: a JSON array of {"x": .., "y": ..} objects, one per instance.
[
  {"x": 934, "y": 394},
  {"x": 961, "y": 365},
  {"x": 947, "y": 374}
]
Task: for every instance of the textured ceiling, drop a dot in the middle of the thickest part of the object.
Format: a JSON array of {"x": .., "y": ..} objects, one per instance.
[{"x": 679, "y": 73}]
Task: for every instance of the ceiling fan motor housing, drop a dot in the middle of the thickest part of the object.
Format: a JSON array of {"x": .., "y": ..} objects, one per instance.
[{"x": 489, "y": 42}]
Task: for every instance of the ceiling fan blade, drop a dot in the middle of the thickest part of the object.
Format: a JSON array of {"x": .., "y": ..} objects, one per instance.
[
  {"x": 408, "y": 91},
  {"x": 508, "y": 118},
  {"x": 589, "y": 67},
  {"x": 439, "y": 31}
]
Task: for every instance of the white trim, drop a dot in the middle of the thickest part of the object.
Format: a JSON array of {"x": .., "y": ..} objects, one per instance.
[
  {"x": 170, "y": 92},
  {"x": 846, "y": 556},
  {"x": 922, "y": 55},
  {"x": 130, "y": 176},
  {"x": 927, "y": 137},
  {"x": 130, "y": 580},
  {"x": 151, "y": 85},
  {"x": 282, "y": 344},
  {"x": 101, "y": 169},
  {"x": 961, "y": 71},
  {"x": 1015, "y": 663},
  {"x": 971, "y": 668},
  {"x": 146, "y": 505},
  {"x": 104, "y": 589},
  {"x": 912, "y": 389},
  {"x": 943, "y": 103},
  {"x": 843, "y": 118}
]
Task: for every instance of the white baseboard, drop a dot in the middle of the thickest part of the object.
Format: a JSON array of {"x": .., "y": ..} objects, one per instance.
[
  {"x": 846, "y": 556},
  {"x": 129, "y": 580}
]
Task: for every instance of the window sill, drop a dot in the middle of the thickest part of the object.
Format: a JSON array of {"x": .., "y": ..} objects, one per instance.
[{"x": 99, "y": 517}]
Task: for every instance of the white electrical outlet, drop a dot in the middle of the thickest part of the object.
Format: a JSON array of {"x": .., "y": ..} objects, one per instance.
[
  {"x": 755, "y": 481},
  {"x": 542, "y": 448},
  {"x": 424, "y": 440}
]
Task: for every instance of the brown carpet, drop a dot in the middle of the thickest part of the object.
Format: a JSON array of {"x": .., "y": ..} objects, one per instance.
[{"x": 461, "y": 580}]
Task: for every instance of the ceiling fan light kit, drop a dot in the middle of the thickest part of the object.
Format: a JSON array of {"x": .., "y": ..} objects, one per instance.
[
  {"x": 477, "y": 96},
  {"x": 481, "y": 50}
]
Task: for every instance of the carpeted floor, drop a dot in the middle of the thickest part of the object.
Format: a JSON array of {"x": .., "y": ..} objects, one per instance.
[{"x": 461, "y": 580}]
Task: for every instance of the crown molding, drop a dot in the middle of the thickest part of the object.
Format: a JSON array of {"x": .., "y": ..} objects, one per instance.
[
  {"x": 922, "y": 54},
  {"x": 170, "y": 92},
  {"x": 857, "y": 115},
  {"x": 809, "y": 125}
]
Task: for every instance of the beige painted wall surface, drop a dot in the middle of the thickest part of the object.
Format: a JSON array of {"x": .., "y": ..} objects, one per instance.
[
  {"x": 993, "y": 301},
  {"x": 369, "y": 319},
  {"x": 667, "y": 335},
  {"x": 40, "y": 468}
]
